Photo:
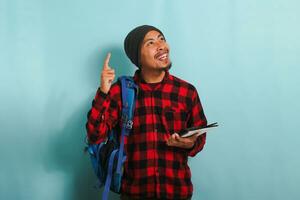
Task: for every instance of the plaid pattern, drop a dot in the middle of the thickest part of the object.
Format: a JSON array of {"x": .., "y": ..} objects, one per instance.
[{"x": 152, "y": 169}]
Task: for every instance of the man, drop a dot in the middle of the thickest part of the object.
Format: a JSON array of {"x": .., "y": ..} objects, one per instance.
[{"x": 156, "y": 165}]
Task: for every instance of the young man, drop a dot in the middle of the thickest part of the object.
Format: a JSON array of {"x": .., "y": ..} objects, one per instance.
[{"x": 156, "y": 165}]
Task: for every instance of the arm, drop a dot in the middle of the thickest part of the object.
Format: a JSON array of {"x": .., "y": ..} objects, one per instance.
[
  {"x": 103, "y": 115},
  {"x": 197, "y": 118}
]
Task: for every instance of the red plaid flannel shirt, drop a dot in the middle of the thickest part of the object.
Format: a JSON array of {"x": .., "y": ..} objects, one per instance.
[{"x": 152, "y": 169}]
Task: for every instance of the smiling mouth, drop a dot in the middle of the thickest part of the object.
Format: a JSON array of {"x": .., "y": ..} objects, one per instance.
[{"x": 162, "y": 56}]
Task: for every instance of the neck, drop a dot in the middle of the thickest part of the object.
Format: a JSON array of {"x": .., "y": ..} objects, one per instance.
[{"x": 152, "y": 75}]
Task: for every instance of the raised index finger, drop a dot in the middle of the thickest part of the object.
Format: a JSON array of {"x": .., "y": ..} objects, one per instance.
[{"x": 106, "y": 61}]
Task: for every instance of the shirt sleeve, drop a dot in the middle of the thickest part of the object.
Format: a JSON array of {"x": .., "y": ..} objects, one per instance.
[
  {"x": 103, "y": 115},
  {"x": 197, "y": 118}
]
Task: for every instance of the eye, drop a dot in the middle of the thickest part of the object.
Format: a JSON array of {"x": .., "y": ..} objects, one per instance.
[
  {"x": 150, "y": 43},
  {"x": 162, "y": 38}
]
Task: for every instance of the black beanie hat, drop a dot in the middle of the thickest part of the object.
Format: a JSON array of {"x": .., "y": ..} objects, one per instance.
[{"x": 132, "y": 42}]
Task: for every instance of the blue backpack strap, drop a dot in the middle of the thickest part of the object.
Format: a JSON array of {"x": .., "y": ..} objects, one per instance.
[
  {"x": 129, "y": 91},
  {"x": 109, "y": 175}
]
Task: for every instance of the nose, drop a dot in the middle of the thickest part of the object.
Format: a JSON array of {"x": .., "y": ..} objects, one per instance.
[{"x": 160, "y": 45}]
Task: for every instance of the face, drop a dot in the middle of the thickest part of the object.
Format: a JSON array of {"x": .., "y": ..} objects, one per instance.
[{"x": 154, "y": 51}]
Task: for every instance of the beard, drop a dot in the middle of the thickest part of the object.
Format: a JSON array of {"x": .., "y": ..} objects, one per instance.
[{"x": 167, "y": 67}]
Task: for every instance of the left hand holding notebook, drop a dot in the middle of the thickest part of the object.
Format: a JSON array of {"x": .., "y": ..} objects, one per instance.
[{"x": 177, "y": 141}]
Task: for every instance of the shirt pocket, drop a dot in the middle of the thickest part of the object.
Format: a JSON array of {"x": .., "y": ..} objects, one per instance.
[{"x": 174, "y": 119}]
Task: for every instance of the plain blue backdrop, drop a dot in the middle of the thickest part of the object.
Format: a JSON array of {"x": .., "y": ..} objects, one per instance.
[{"x": 242, "y": 56}]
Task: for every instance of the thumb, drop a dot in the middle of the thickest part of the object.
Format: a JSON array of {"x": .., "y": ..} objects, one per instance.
[{"x": 177, "y": 137}]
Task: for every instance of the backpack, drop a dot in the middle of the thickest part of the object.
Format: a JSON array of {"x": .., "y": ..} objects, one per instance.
[{"x": 108, "y": 157}]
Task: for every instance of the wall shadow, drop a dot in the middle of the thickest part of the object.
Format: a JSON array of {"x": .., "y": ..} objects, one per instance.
[{"x": 64, "y": 148}]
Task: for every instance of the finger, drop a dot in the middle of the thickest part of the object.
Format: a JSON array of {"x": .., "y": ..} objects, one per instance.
[
  {"x": 177, "y": 137},
  {"x": 108, "y": 71},
  {"x": 173, "y": 138},
  {"x": 106, "y": 61},
  {"x": 109, "y": 75},
  {"x": 194, "y": 137},
  {"x": 110, "y": 79},
  {"x": 105, "y": 75},
  {"x": 175, "y": 141},
  {"x": 170, "y": 141}
]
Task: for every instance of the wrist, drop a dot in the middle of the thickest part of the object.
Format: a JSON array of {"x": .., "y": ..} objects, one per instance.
[
  {"x": 103, "y": 90},
  {"x": 190, "y": 146},
  {"x": 101, "y": 93}
]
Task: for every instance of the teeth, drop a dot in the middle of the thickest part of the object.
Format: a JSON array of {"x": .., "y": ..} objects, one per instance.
[{"x": 163, "y": 56}]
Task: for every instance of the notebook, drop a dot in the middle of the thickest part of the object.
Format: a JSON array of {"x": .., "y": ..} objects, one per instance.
[{"x": 197, "y": 130}]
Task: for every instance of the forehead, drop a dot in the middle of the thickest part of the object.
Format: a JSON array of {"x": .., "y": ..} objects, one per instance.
[{"x": 152, "y": 35}]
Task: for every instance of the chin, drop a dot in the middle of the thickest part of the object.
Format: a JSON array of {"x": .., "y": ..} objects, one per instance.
[{"x": 167, "y": 66}]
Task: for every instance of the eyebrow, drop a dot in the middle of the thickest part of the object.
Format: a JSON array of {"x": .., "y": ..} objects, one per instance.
[{"x": 153, "y": 38}]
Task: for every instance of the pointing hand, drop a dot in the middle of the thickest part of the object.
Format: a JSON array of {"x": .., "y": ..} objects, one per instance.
[{"x": 107, "y": 75}]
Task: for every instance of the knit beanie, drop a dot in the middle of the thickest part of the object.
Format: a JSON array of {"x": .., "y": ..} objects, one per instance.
[{"x": 133, "y": 41}]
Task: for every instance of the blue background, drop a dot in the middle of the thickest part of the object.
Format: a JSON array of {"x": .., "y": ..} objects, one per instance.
[{"x": 242, "y": 56}]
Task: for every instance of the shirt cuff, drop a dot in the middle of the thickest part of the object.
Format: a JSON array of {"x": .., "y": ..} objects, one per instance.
[
  {"x": 102, "y": 94},
  {"x": 99, "y": 100},
  {"x": 198, "y": 146}
]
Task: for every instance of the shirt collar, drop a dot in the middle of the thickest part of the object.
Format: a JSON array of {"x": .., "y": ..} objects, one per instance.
[{"x": 144, "y": 85}]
